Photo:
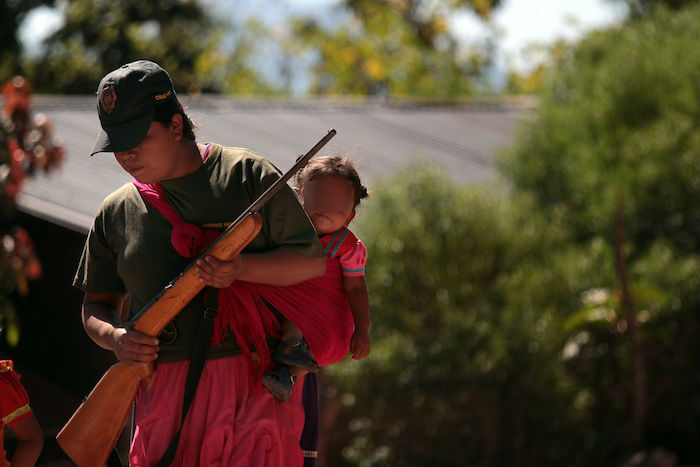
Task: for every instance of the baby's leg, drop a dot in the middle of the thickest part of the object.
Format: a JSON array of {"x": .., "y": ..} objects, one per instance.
[
  {"x": 290, "y": 331},
  {"x": 295, "y": 355},
  {"x": 294, "y": 350},
  {"x": 298, "y": 372}
]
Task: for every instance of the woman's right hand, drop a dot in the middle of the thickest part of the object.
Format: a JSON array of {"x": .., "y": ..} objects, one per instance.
[{"x": 133, "y": 347}]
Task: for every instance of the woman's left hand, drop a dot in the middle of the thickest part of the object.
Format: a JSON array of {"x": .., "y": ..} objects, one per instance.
[{"x": 217, "y": 273}]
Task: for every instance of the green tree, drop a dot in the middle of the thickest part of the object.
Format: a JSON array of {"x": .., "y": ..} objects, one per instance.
[
  {"x": 466, "y": 310},
  {"x": 239, "y": 77},
  {"x": 503, "y": 318},
  {"x": 618, "y": 119},
  {"x": 98, "y": 36},
  {"x": 640, "y": 8},
  {"x": 12, "y": 13},
  {"x": 614, "y": 149},
  {"x": 533, "y": 81},
  {"x": 396, "y": 48}
]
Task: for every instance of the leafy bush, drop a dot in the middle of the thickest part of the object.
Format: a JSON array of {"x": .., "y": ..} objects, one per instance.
[{"x": 499, "y": 331}]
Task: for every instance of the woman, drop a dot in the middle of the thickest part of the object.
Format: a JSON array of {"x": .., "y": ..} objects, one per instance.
[{"x": 129, "y": 251}]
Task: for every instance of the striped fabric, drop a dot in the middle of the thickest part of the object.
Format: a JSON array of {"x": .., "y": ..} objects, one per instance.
[
  {"x": 339, "y": 242},
  {"x": 11, "y": 417}
]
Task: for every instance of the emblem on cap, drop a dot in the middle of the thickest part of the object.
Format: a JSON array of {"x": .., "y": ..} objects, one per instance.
[{"x": 108, "y": 99}]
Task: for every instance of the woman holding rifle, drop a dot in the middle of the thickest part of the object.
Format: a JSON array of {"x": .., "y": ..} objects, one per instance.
[{"x": 133, "y": 250}]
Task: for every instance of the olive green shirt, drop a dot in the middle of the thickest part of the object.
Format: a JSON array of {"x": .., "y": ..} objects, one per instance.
[{"x": 128, "y": 248}]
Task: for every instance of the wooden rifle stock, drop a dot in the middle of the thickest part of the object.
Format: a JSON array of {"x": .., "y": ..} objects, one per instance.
[{"x": 93, "y": 430}]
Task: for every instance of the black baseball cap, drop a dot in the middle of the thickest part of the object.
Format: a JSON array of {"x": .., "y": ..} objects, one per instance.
[{"x": 126, "y": 101}]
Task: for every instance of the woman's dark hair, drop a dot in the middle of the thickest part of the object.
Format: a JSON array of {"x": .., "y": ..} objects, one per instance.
[
  {"x": 332, "y": 165},
  {"x": 164, "y": 113}
]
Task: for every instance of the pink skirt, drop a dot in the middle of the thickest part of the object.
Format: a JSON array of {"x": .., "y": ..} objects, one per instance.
[{"x": 231, "y": 421}]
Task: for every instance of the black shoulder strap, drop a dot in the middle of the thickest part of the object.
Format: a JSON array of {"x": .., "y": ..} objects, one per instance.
[{"x": 200, "y": 349}]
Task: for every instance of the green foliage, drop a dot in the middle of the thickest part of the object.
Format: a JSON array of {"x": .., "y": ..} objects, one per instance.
[
  {"x": 396, "y": 48},
  {"x": 181, "y": 35},
  {"x": 534, "y": 80},
  {"x": 9, "y": 324},
  {"x": 467, "y": 336},
  {"x": 98, "y": 36},
  {"x": 665, "y": 288},
  {"x": 620, "y": 118},
  {"x": 238, "y": 75},
  {"x": 641, "y": 8},
  {"x": 618, "y": 122},
  {"x": 12, "y": 13},
  {"x": 499, "y": 335}
]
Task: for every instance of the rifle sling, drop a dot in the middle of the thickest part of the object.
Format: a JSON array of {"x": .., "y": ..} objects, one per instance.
[{"x": 198, "y": 358}]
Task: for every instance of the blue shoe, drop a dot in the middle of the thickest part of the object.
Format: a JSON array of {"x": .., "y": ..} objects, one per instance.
[
  {"x": 280, "y": 382},
  {"x": 296, "y": 353}
]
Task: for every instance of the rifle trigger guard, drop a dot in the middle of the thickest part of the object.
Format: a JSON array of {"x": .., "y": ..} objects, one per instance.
[
  {"x": 168, "y": 334},
  {"x": 210, "y": 313}
]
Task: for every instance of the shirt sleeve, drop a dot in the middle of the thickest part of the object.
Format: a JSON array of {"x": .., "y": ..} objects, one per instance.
[
  {"x": 353, "y": 262},
  {"x": 97, "y": 269},
  {"x": 285, "y": 223},
  {"x": 14, "y": 401}
]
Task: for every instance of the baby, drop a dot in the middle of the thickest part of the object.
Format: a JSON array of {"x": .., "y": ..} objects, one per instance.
[{"x": 330, "y": 190}]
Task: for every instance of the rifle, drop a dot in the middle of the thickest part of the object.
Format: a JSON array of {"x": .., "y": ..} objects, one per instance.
[{"x": 93, "y": 430}]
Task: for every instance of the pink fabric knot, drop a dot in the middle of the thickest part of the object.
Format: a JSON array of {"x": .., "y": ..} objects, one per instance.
[{"x": 189, "y": 239}]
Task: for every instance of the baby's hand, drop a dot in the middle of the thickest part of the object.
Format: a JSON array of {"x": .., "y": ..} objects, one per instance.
[{"x": 359, "y": 344}]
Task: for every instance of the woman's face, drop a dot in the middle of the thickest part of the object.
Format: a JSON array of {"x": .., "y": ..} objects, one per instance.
[
  {"x": 152, "y": 160},
  {"x": 329, "y": 202}
]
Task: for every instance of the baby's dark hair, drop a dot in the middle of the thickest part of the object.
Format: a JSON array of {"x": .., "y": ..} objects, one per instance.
[{"x": 332, "y": 165}]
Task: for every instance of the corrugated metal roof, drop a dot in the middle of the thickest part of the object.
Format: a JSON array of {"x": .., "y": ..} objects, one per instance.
[{"x": 381, "y": 138}]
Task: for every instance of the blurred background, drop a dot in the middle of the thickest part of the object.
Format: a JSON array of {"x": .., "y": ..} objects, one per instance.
[{"x": 533, "y": 227}]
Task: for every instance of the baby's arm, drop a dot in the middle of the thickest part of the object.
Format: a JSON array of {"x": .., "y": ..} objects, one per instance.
[
  {"x": 278, "y": 266},
  {"x": 356, "y": 290}
]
